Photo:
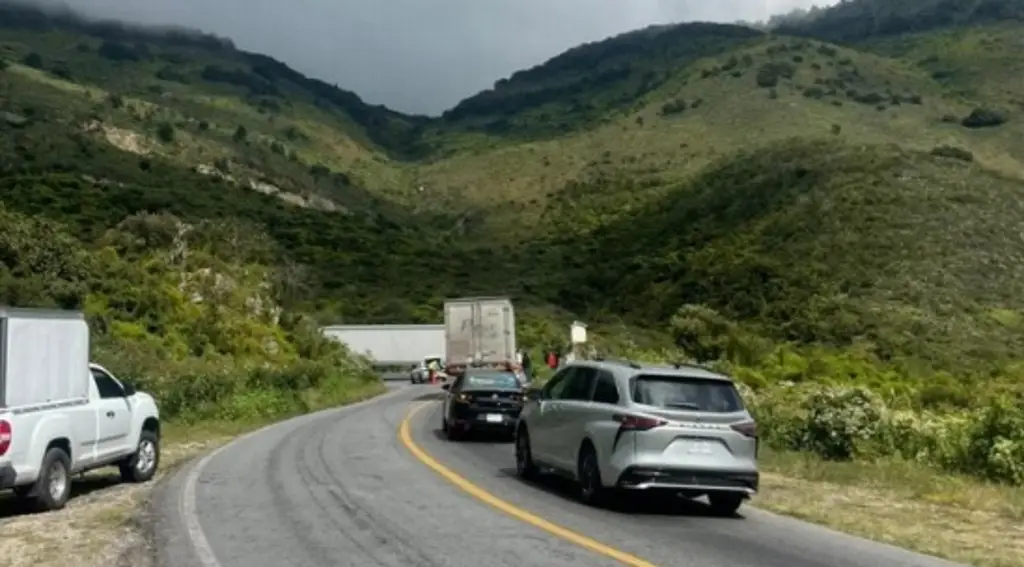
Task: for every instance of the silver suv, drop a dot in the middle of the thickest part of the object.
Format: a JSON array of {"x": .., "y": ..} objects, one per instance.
[{"x": 617, "y": 426}]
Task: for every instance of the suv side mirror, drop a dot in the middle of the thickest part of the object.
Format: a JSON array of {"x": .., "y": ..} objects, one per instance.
[
  {"x": 129, "y": 389},
  {"x": 534, "y": 394},
  {"x": 446, "y": 386}
]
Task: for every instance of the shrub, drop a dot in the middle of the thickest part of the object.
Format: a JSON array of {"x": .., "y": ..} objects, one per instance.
[
  {"x": 33, "y": 60},
  {"x": 841, "y": 422},
  {"x": 814, "y": 92},
  {"x": 953, "y": 152},
  {"x": 769, "y": 74},
  {"x": 983, "y": 118},
  {"x": 165, "y": 132}
]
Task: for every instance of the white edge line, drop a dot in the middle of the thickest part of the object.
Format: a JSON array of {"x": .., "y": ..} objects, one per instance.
[{"x": 187, "y": 502}]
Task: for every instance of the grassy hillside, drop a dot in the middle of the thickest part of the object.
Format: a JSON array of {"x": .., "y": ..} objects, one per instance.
[
  {"x": 197, "y": 100},
  {"x": 586, "y": 84},
  {"x": 770, "y": 89},
  {"x": 858, "y": 20},
  {"x": 833, "y": 214},
  {"x": 827, "y": 242}
]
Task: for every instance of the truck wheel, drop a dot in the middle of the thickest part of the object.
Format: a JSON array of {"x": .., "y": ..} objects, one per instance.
[
  {"x": 141, "y": 466},
  {"x": 53, "y": 487}
]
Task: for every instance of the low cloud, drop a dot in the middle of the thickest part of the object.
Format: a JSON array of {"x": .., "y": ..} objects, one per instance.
[{"x": 421, "y": 55}]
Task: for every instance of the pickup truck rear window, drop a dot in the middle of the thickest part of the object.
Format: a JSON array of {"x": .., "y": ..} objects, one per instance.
[{"x": 686, "y": 394}]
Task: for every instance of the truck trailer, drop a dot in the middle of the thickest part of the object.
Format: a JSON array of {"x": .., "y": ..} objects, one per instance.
[
  {"x": 391, "y": 345},
  {"x": 479, "y": 332}
]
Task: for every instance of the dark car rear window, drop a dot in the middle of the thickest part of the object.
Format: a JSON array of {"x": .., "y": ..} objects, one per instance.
[
  {"x": 492, "y": 380},
  {"x": 685, "y": 393}
]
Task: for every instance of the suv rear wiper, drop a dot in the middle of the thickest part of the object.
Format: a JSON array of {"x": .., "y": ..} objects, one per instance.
[{"x": 682, "y": 405}]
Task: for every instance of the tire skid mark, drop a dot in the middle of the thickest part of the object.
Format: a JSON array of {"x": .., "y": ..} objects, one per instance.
[
  {"x": 384, "y": 531},
  {"x": 296, "y": 445}
]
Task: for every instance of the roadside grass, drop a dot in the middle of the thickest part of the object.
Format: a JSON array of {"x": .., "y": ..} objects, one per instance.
[
  {"x": 99, "y": 524},
  {"x": 900, "y": 503}
]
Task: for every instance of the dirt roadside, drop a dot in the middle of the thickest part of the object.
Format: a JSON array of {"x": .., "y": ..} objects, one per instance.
[{"x": 101, "y": 525}]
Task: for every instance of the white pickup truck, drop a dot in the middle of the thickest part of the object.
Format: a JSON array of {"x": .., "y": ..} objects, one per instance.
[{"x": 61, "y": 415}]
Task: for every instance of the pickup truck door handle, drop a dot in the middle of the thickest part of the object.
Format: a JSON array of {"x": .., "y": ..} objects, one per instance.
[{"x": 110, "y": 414}]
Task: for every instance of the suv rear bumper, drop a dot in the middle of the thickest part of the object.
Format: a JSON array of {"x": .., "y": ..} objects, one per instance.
[
  {"x": 7, "y": 476},
  {"x": 666, "y": 478}
]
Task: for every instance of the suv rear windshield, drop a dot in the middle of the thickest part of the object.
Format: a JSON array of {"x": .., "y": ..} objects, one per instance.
[{"x": 686, "y": 393}]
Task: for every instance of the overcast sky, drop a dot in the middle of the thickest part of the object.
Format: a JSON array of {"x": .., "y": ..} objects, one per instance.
[{"x": 422, "y": 55}]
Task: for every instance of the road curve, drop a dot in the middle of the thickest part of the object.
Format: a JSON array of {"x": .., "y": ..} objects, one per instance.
[{"x": 340, "y": 489}]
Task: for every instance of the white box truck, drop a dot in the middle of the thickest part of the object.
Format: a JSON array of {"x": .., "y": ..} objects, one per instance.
[
  {"x": 479, "y": 331},
  {"x": 60, "y": 414}
]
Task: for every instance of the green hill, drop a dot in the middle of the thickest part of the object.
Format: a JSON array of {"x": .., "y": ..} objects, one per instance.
[
  {"x": 857, "y": 20},
  {"x": 818, "y": 241},
  {"x": 583, "y": 86},
  {"x": 813, "y": 194}
]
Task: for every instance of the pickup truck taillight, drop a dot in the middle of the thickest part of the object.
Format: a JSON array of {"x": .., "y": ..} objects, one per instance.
[{"x": 5, "y": 437}]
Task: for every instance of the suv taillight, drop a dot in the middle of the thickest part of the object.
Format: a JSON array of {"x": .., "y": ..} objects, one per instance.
[
  {"x": 6, "y": 434},
  {"x": 747, "y": 428},
  {"x": 637, "y": 422}
]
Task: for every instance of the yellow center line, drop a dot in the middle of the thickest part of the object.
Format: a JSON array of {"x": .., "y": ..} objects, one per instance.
[{"x": 510, "y": 509}]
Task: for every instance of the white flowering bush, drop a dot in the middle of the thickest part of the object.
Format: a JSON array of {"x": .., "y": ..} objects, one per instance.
[
  {"x": 849, "y": 422},
  {"x": 781, "y": 415},
  {"x": 940, "y": 440},
  {"x": 995, "y": 446},
  {"x": 841, "y": 422}
]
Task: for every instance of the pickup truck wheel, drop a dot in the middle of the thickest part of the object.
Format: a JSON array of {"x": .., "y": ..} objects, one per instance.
[
  {"x": 53, "y": 487},
  {"x": 143, "y": 463}
]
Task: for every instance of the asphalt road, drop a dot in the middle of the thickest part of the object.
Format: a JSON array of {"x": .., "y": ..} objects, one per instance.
[{"x": 340, "y": 489}]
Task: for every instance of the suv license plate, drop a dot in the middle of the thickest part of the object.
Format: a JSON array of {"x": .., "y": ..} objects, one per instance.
[
  {"x": 699, "y": 448},
  {"x": 494, "y": 418}
]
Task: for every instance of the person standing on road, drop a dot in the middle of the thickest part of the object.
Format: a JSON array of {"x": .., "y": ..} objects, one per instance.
[
  {"x": 434, "y": 368},
  {"x": 526, "y": 364}
]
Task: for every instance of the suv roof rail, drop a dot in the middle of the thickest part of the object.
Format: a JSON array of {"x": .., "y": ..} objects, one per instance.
[
  {"x": 680, "y": 365},
  {"x": 622, "y": 361}
]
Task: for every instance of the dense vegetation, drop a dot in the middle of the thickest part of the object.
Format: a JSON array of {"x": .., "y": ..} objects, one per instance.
[
  {"x": 833, "y": 223},
  {"x": 851, "y": 21}
]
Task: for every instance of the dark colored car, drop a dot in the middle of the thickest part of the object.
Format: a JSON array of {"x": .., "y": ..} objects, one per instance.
[{"x": 482, "y": 400}]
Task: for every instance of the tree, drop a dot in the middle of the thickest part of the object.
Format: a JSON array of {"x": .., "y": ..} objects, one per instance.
[{"x": 165, "y": 132}]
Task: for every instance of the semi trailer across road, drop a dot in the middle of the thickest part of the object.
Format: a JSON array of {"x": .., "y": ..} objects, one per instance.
[{"x": 392, "y": 346}]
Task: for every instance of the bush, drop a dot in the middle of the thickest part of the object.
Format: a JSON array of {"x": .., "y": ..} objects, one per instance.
[
  {"x": 984, "y": 118},
  {"x": 33, "y": 60},
  {"x": 673, "y": 107},
  {"x": 841, "y": 422},
  {"x": 186, "y": 312},
  {"x": 165, "y": 132},
  {"x": 769, "y": 74},
  {"x": 953, "y": 152}
]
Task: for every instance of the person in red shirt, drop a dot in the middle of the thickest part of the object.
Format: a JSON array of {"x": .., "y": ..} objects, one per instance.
[{"x": 552, "y": 360}]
